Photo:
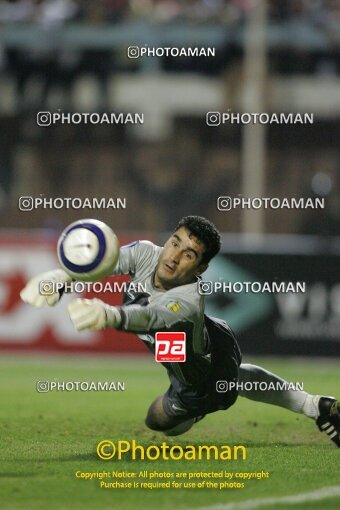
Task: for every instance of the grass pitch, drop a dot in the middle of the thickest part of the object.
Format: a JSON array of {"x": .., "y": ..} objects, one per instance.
[{"x": 47, "y": 437}]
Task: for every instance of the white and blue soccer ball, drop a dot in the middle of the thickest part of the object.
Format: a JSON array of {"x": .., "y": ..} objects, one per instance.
[{"x": 88, "y": 250}]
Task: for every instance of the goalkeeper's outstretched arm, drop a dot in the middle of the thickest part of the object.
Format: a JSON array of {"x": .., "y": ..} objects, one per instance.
[
  {"x": 95, "y": 314},
  {"x": 32, "y": 295}
]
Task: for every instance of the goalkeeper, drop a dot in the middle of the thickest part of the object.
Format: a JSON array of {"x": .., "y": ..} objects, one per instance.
[{"x": 172, "y": 302}]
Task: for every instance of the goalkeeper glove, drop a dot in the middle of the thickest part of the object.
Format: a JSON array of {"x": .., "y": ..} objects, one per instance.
[
  {"x": 45, "y": 288},
  {"x": 93, "y": 314}
]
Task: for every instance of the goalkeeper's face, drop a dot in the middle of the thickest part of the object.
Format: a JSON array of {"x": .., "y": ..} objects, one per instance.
[{"x": 180, "y": 261}]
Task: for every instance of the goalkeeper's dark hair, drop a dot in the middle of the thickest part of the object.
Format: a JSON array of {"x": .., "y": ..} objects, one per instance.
[{"x": 206, "y": 232}]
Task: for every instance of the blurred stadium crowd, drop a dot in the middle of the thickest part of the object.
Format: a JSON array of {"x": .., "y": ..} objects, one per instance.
[
  {"x": 321, "y": 16},
  {"x": 224, "y": 11},
  {"x": 194, "y": 164}
]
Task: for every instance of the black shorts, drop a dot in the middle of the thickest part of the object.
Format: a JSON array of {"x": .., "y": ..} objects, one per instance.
[
  {"x": 185, "y": 401},
  {"x": 179, "y": 402}
]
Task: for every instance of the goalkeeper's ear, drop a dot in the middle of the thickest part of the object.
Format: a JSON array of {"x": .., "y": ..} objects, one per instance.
[{"x": 201, "y": 269}]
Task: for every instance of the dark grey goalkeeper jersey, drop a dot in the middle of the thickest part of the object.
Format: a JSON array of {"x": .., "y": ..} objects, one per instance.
[{"x": 178, "y": 309}]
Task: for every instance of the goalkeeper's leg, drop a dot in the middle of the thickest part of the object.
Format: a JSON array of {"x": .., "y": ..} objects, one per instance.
[
  {"x": 325, "y": 410},
  {"x": 158, "y": 419}
]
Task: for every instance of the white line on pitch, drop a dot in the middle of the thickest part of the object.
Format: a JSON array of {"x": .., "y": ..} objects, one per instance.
[{"x": 250, "y": 504}]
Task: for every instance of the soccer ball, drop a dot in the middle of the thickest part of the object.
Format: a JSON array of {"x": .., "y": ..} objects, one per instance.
[{"x": 88, "y": 250}]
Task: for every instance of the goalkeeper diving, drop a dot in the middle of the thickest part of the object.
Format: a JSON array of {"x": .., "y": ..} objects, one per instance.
[{"x": 172, "y": 302}]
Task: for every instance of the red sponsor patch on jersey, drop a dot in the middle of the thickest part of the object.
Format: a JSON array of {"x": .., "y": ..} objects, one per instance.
[{"x": 170, "y": 346}]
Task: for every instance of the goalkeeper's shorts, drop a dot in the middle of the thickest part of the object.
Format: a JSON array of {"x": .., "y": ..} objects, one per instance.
[{"x": 185, "y": 401}]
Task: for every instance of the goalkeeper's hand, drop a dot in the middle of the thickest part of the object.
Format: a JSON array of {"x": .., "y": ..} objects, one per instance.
[
  {"x": 93, "y": 314},
  {"x": 44, "y": 288}
]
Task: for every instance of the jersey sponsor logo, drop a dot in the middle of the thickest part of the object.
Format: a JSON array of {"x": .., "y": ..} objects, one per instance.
[
  {"x": 173, "y": 307},
  {"x": 170, "y": 347}
]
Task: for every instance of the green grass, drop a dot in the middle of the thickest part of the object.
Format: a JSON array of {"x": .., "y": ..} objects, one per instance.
[{"x": 46, "y": 438}]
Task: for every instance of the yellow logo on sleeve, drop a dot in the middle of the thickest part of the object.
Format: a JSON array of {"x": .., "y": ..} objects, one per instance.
[{"x": 174, "y": 307}]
